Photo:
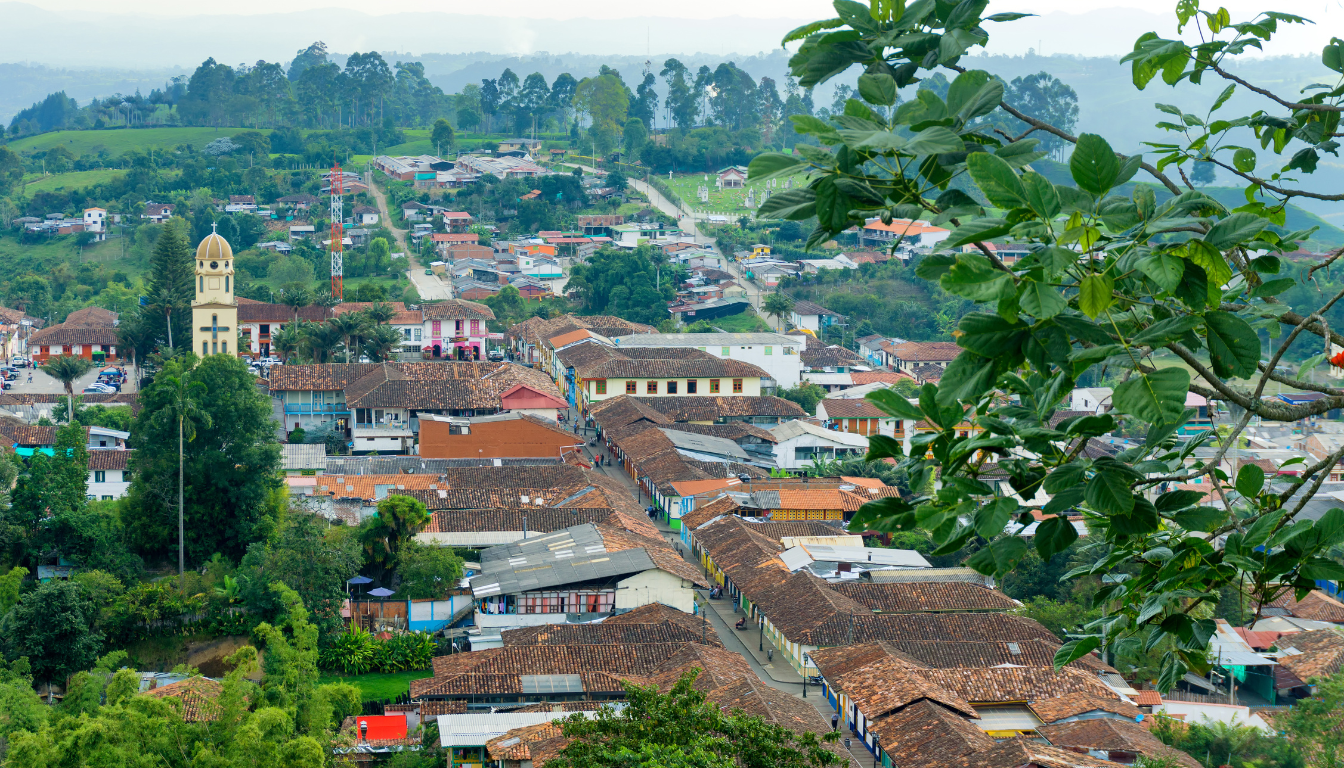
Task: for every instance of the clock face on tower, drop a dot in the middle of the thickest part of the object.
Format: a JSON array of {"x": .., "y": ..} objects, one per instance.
[{"x": 214, "y": 312}]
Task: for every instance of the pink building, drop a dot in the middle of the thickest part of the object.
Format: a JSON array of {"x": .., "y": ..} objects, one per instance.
[{"x": 455, "y": 329}]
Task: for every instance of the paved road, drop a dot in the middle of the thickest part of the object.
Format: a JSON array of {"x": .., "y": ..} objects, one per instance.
[
  {"x": 46, "y": 385},
  {"x": 428, "y": 286}
]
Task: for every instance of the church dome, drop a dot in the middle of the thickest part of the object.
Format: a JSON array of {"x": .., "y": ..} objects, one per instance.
[{"x": 213, "y": 248}]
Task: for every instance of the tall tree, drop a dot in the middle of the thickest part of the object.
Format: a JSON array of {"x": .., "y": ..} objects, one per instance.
[
  {"x": 53, "y": 626},
  {"x": 1044, "y": 97},
  {"x": 442, "y": 136},
  {"x": 179, "y": 409},
  {"x": 604, "y": 100},
  {"x": 778, "y": 305},
  {"x": 171, "y": 276},
  {"x": 67, "y": 369},
  {"x": 399, "y": 518},
  {"x": 230, "y": 468},
  {"x": 312, "y": 56},
  {"x": 644, "y": 107}
]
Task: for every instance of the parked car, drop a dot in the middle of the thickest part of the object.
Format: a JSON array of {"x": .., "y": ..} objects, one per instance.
[{"x": 495, "y": 354}]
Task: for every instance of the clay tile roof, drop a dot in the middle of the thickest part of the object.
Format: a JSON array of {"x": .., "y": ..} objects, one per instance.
[
  {"x": 1010, "y": 684},
  {"x": 889, "y": 684},
  {"x": 367, "y": 487},
  {"x": 517, "y": 744},
  {"x": 604, "y": 633},
  {"x": 929, "y": 596},
  {"x": 74, "y": 334},
  {"x": 924, "y": 729},
  {"x": 1110, "y": 734},
  {"x": 802, "y": 606},
  {"x": 457, "y": 309},
  {"x": 1015, "y": 753},
  {"x": 818, "y": 355},
  {"x": 852, "y": 408},
  {"x": 1322, "y": 653},
  {"x": 1147, "y": 698},
  {"x": 754, "y": 698},
  {"x": 1316, "y": 606},
  {"x": 657, "y": 613},
  {"x": 700, "y": 408},
  {"x": 717, "y": 667},
  {"x": 497, "y": 669},
  {"x": 949, "y": 627},
  {"x": 986, "y": 653},
  {"x": 91, "y": 316},
  {"x": 927, "y": 351},
  {"x": 436, "y": 707},
  {"x": 869, "y": 377},
  {"x": 1057, "y": 708},
  {"x": 105, "y": 460},
  {"x": 199, "y": 697},
  {"x": 482, "y": 520},
  {"x": 15, "y": 432}
]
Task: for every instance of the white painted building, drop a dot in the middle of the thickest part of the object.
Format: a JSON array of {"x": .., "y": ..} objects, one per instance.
[
  {"x": 95, "y": 221},
  {"x": 108, "y": 477},
  {"x": 1091, "y": 399},
  {"x": 800, "y": 442},
  {"x": 776, "y": 354}
]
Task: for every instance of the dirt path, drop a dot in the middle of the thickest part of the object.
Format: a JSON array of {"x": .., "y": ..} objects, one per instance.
[{"x": 428, "y": 286}]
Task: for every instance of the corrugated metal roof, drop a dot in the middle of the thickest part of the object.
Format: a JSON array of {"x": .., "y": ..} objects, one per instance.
[
  {"x": 476, "y": 730},
  {"x": 572, "y": 555},
  {"x": 905, "y": 558},
  {"x": 928, "y": 574},
  {"x": 718, "y": 446}
]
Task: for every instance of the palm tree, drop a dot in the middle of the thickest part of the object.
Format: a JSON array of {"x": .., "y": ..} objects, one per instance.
[
  {"x": 288, "y": 341},
  {"x": 67, "y": 369},
  {"x": 164, "y": 303},
  {"x": 381, "y": 312},
  {"x": 181, "y": 407},
  {"x": 297, "y": 297},
  {"x": 320, "y": 339},
  {"x": 131, "y": 338},
  {"x": 322, "y": 298},
  {"x": 777, "y": 305},
  {"x": 347, "y": 325},
  {"x": 382, "y": 342}
]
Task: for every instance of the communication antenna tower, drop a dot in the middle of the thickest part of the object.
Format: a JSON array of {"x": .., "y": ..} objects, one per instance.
[{"x": 337, "y": 232}]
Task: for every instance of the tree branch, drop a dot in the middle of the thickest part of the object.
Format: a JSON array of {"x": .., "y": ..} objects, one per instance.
[
  {"x": 1273, "y": 187},
  {"x": 1269, "y": 95}
]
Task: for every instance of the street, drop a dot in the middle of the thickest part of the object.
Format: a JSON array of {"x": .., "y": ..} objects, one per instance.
[
  {"x": 46, "y": 385},
  {"x": 430, "y": 287}
]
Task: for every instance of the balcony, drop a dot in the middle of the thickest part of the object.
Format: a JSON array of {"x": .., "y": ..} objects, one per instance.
[{"x": 317, "y": 408}]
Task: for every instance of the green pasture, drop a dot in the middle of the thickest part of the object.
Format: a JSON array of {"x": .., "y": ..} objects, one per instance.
[{"x": 720, "y": 200}]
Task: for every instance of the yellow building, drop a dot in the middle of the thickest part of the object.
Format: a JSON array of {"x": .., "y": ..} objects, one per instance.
[{"x": 214, "y": 311}]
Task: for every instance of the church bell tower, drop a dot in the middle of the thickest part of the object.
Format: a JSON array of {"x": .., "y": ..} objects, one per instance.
[{"x": 214, "y": 312}]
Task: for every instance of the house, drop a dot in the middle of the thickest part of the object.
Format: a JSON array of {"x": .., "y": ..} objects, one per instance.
[
  {"x": 157, "y": 212},
  {"x": 95, "y": 221},
  {"x": 199, "y": 697},
  {"x": 830, "y": 358},
  {"x": 457, "y": 221},
  {"x": 778, "y": 355},
  {"x": 583, "y": 569},
  {"x": 379, "y": 404},
  {"x": 530, "y": 339},
  {"x": 516, "y": 434},
  {"x": 732, "y": 177},
  {"x": 595, "y": 372},
  {"x": 727, "y": 306},
  {"x": 415, "y": 211},
  {"x": 108, "y": 476},
  {"x": 406, "y": 167},
  {"x": 599, "y": 225},
  {"x": 522, "y": 146},
  {"x": 300, "y": 202},
  {"x": 875, "y": 234},
  {"x": 365, "y": 215},
  {"x": 444, "y": 240},
  {"x": 913, "y": 354},
  {"x": 240, "y": 203},
  {"x": 812, "y": 316},
  {"x": 258, "y": 322},
  {"x": 303, "y": 458},
  {"x": 799, "y": 443},
  {"x": 859, "y": 417},
  {"x": 302, "y": 231},
  {"x": 455, "y": 329},
  {"x": 92, "y": 342},
  {"x": 1095, "y": 400},
  {"x": 815, "y": 266},
  {"x": 504, "y": 167}
]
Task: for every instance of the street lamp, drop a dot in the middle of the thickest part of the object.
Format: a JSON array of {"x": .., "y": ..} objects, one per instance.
[
  {"x": 806, "y": 659},
  {"x": 877, "y": 748}
]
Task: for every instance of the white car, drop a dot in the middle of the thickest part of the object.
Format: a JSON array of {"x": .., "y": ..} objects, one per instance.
[{"x": 99, "y": 389}]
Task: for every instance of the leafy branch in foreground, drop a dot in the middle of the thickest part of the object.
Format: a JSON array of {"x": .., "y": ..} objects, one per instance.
[{"x": 1116, "y": 274}]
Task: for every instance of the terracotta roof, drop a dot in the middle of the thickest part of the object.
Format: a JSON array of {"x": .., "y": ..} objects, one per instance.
[
  {"x": 905, "y": 227},
  {"x": 693, "y": 408},
  {"x": 259, "y": 312},
  {"x": 852, "y": 408},
  {"x": 887, "y": 684},
  {"x": 536, "y": 329},
  {"x": 945, "y": 654},
  {"x": 1055, "y": 708},
  {"x": 105, "y": 460},
  {"x": 927, "y": 351},
  {"x": 818, "y": 355},
  {"x": 654, "y": 362},
  {"x": 517, "y": 744},
  {"x": 456, "y": 309},
  {"x": 999, "y": 685},
  {"x": 403, "y": 315},
  {"x": 430, "y": 386},
  {"x": 869, "y": 377},
  {"x": 734, "y": 430},
  {"x": 922, "y": 597},
  {"x": 92, "y": 317},
  {"x": 1019, "y": 752},
  {"x": 491, "y": 520},
  {"x": 435, "y": 707},
  {"x": 74, "y": 334},
  {"x": 925, "y": 729},
  {"x": 199, "y": 697},
  {"x": 1322, "y": 653},
  {"x": 605, "y": 634},
  {"x": 657, "y": 613},
  {"x": 19, "y": 433},
  {"x": 717, "y": 667},
  {"x": 1147, "y": 698},
  {"x": 1113, "y": 735},
  {"x": 1316, "y": 606},
  {"x": 754, "y": 698},
  {"x": 498, "y": 669},
  {"x": 366, "y": 487}
]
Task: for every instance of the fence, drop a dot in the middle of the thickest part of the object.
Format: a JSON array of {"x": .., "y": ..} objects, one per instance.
[{"x": 1195, "y": 698}]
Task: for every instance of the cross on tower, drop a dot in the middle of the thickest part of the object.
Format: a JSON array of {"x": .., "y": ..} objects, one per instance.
[{"x": 214, "y": 327}]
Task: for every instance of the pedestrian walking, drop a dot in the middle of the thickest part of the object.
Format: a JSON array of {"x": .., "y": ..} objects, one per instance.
[
  {"x": 835, "y": 722},
  {"x": 770, "y": 654}
]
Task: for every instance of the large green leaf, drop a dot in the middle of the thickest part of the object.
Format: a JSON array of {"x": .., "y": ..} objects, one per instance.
[
  {"x": 1075, "y": 649},
  {"x": 966, "y": 378},
  {"x": 1250, "y": 479},
  {"x": 1212, "y": 261},
  {"x": 1040, "y": 300},
  {"x": 984, "y": 101},
  {"x": 996, "y": 180},
  {"x": 999, "y": 557},
  {"x": 1163, "y": 269},
  {"x": 1140, "y": 520},
  {"x": 894, "y": 404},
  {"x": 1054, "y": 535},
  {"x": 936, "y": 140},
  {"x": 1109, "y": 492},
  {"x": 991, "y": 518},
  {"x": 1164, "y": 332},
  {"x": 770, "y": 164},
  {"x": 1041, "y": 196},
  {"x": 879, "y": 88},
  {"x": 1234, "y": 347},
  {"x": 793, "y": 204},
  {"x": 975, "y": 278},
  {"x": 1094, "y": 294},
  {"x": 1235, "y": 230},
  {"x": 988, "y": 335},
  {"x": 975, "y": 231},
  {"x": 1093, "y": 164},
  {"x": 1157, "y": 397}
]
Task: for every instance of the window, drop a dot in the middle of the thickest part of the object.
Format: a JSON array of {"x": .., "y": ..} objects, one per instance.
[
  {"x": 737, "y": 386},
  {"x": 417, "y": 334},
  {"x": 769, "y": 351},
  {"x": 226, "y": 283},
  {"x": 691, "y": 386},
  {"x": 651, "y": 388},
  {"x": 601, "y": 386},
  {"x": 202, "y": 285},
  {"x": 713, "y": 386},
  {"x": 631, "y": 388},
  {"x": 726, "y": 350},
  {"x": 266, "y": 329},
  {"x": 224, "y": 347},
  {"x": 436, "y": 328},
  {"x": 671, "y": 387},
  {"x": 107, "y": 498},
  {"x": 205, "y": 347},
  {"x": 457, "y": 327},
  {"x": 475, "y": 327},
  {"x": 100, "y": 477}
]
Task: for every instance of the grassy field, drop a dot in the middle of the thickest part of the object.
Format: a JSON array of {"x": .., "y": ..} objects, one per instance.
[
  {"x": 378, "y": 685},
  {"x": 747, "y": 322},
  {"x": 59, "y": 247},
  {"x": 720, "y": 201},
  {"x": 117, "y": 142},
  {"x": 65, "y": 181}
]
